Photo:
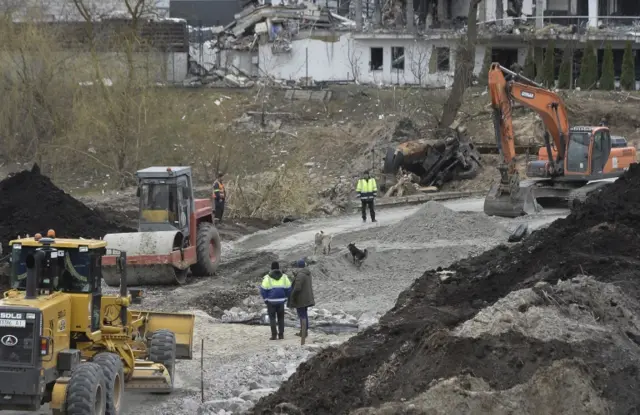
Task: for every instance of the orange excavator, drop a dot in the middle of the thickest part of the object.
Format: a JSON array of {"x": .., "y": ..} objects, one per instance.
[{"x": 582, "y": 162}]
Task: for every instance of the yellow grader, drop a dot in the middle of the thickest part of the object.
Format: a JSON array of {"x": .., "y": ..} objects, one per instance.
[
  {"x": 176, "y": 234},
  {"x": 65, "y": 344}
]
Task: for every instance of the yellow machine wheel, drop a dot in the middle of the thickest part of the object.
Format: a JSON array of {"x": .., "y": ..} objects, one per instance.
[
  {"x": 162, "y": 349},
  {"x": 113, "y": 372},
  {"x": 86, "y": 392}
]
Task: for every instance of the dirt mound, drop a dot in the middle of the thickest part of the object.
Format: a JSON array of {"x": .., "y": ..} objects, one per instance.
[
  {"x": 31, "y": 203},
  {"x": 413, "y": 346},
  {"x": 436, "y": 221}
]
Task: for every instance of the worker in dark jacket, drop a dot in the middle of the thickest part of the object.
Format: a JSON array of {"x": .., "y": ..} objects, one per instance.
[
  {"x": 219, "y": 196},
  {"x": 275, "y": 289},
  {"x": 301, "y": 297}
]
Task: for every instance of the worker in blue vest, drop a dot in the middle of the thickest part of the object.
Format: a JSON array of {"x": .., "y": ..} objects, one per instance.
[
  {"x": 367, "y": 191},
  {"x": 275, "y": 289}
]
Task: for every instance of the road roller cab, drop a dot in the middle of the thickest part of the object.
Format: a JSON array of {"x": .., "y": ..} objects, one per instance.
[
  {"x": 64, "y": 343},
  {"x": 176, "y": 235}
]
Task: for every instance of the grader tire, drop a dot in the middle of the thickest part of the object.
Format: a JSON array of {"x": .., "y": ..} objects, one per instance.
[
  {"x": 86, "y": 392},
  {"x": 113, "y": 372},
  {"x": 207, "y": 250},
  {"x": 162, "y": 349}
]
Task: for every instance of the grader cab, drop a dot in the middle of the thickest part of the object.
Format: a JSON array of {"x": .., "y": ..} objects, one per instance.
[{"x": 64, "y": 343}]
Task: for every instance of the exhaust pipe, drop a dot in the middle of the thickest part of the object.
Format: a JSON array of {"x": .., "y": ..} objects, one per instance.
[
  {"x": 122, "y": 268},
  {"x": 33, "y": 262}
]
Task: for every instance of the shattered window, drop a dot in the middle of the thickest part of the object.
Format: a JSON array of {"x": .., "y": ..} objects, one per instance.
[
  {"x": 375, "y": 64},
  {"x": 442, "y": 55},
  {"x": 397, "y": 58}
]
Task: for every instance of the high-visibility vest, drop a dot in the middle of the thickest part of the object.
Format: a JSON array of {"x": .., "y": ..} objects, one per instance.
[
  {"x": 218, "y": 188},
  {"x": 367, "y": 188},
  {"x": 278, "y": 287}
]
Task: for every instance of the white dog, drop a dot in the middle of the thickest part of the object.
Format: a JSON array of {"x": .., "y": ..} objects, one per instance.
[{"x": 322, "y": 240}]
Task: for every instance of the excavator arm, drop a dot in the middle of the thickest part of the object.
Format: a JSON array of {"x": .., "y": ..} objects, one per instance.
[
  {"x": 547, "y": 104},
  {"x": 507, "y": 197}
]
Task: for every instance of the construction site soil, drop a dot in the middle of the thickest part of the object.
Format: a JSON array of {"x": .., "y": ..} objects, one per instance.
[
  {"x": 31, "y": 203},
  {"x": 391, "y": 366}
]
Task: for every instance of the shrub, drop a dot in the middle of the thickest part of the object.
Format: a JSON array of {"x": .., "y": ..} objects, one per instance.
[
  {"x": 588, "y": 68},
  {"x": 564, "y": 76},
  {"x": 530, "y": 64},
  {"x": 607, "y": 80},
  {"x": 628, "y": 76},
  {"x": 549, "y": 72}
]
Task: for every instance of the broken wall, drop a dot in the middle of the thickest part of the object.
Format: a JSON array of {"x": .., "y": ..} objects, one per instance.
[
  {"x": 321, "y": 59},
  {"x": 491, "y": 13},
  {"x": 243, "y": 61},
  {"x": 368, "y": 59}
]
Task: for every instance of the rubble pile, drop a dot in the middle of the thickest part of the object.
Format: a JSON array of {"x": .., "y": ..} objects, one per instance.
[
  {"x": 433, "y": 162},
  {"x": 518, "y": 327},
  {"x": 31, "y": 203}
]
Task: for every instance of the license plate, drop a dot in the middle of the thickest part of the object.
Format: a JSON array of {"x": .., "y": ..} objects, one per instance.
[{"x": 12, "y": 323}]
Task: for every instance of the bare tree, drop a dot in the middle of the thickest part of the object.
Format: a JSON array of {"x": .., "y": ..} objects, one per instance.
[
  {"x": 124, "y": 102},
  {"x": 465, "y": 62},
  {"x": 418, "y": 56},
  {"x": 355, "y": 59}
]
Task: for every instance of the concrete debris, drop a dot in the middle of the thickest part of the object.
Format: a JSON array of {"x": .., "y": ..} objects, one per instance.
[
  {"x": 433, "y": 162},
  {"x": 253, "y": 311}
]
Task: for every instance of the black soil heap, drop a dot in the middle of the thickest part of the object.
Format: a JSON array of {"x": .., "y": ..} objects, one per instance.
[
  {"x": 31, "y": 203},
  {"x": 600, "y": 238}
]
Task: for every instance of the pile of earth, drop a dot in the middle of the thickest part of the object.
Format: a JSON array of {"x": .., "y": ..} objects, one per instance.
[
  {"x": 435, "y": 221},
  {"x": 30, "y": 203},
  {"x": 429, "y": 336}
]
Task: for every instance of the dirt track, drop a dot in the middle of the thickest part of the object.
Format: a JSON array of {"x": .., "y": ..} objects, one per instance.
[{"x": 346, "y": 293}]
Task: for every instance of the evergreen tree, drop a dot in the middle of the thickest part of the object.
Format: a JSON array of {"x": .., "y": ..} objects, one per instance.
[
  {"x": 538, "y": 55},
  {"x": 588, "y": 68},
  {"x": 564, "y": 76},
  {"x": 483, "y": 77},
  {"x": 628, "y": 76},
  {"x": 530, "y": 64},
  {"x": 549, "y": 66},
  {"x": 607, "y": 80}
]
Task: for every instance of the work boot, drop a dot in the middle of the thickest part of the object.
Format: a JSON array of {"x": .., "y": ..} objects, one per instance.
[
  {"x": 280, "y": 336},
  {"x": 273, "y": 337},
  {"x": 364, "y": 220},
  {"x": 373, "y": 220}
]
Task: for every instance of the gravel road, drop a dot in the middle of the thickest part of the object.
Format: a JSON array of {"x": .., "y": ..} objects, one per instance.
[{"x": 241, "y": 364}]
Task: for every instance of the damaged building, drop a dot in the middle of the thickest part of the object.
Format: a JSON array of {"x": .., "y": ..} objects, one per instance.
[{"x": 385, "y": 42}]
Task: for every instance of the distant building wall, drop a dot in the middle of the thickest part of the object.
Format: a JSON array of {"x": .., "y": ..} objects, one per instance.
[
  {"x": 205, "y": 12},
  {"x": 369, "y": 59}
]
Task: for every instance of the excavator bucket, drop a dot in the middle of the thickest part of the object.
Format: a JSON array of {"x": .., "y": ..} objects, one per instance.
[
  {"x": 504, "y": 204},
  {"x": 180, "y": 324},
  {"x": 153, "y": 258}
]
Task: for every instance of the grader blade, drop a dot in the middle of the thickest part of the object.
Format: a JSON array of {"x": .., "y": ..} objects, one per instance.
[
  {"x": 150, "y": 377},
  {"x": 153, "y": 258}
]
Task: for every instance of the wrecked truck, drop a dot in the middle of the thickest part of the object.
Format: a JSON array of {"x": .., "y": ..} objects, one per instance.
[{"x": 434, "y": 161}]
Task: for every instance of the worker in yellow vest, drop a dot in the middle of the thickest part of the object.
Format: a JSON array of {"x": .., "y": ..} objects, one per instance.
[
  {"x": 367, "y": 192},
  {"x": 275, "y": 290}
]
